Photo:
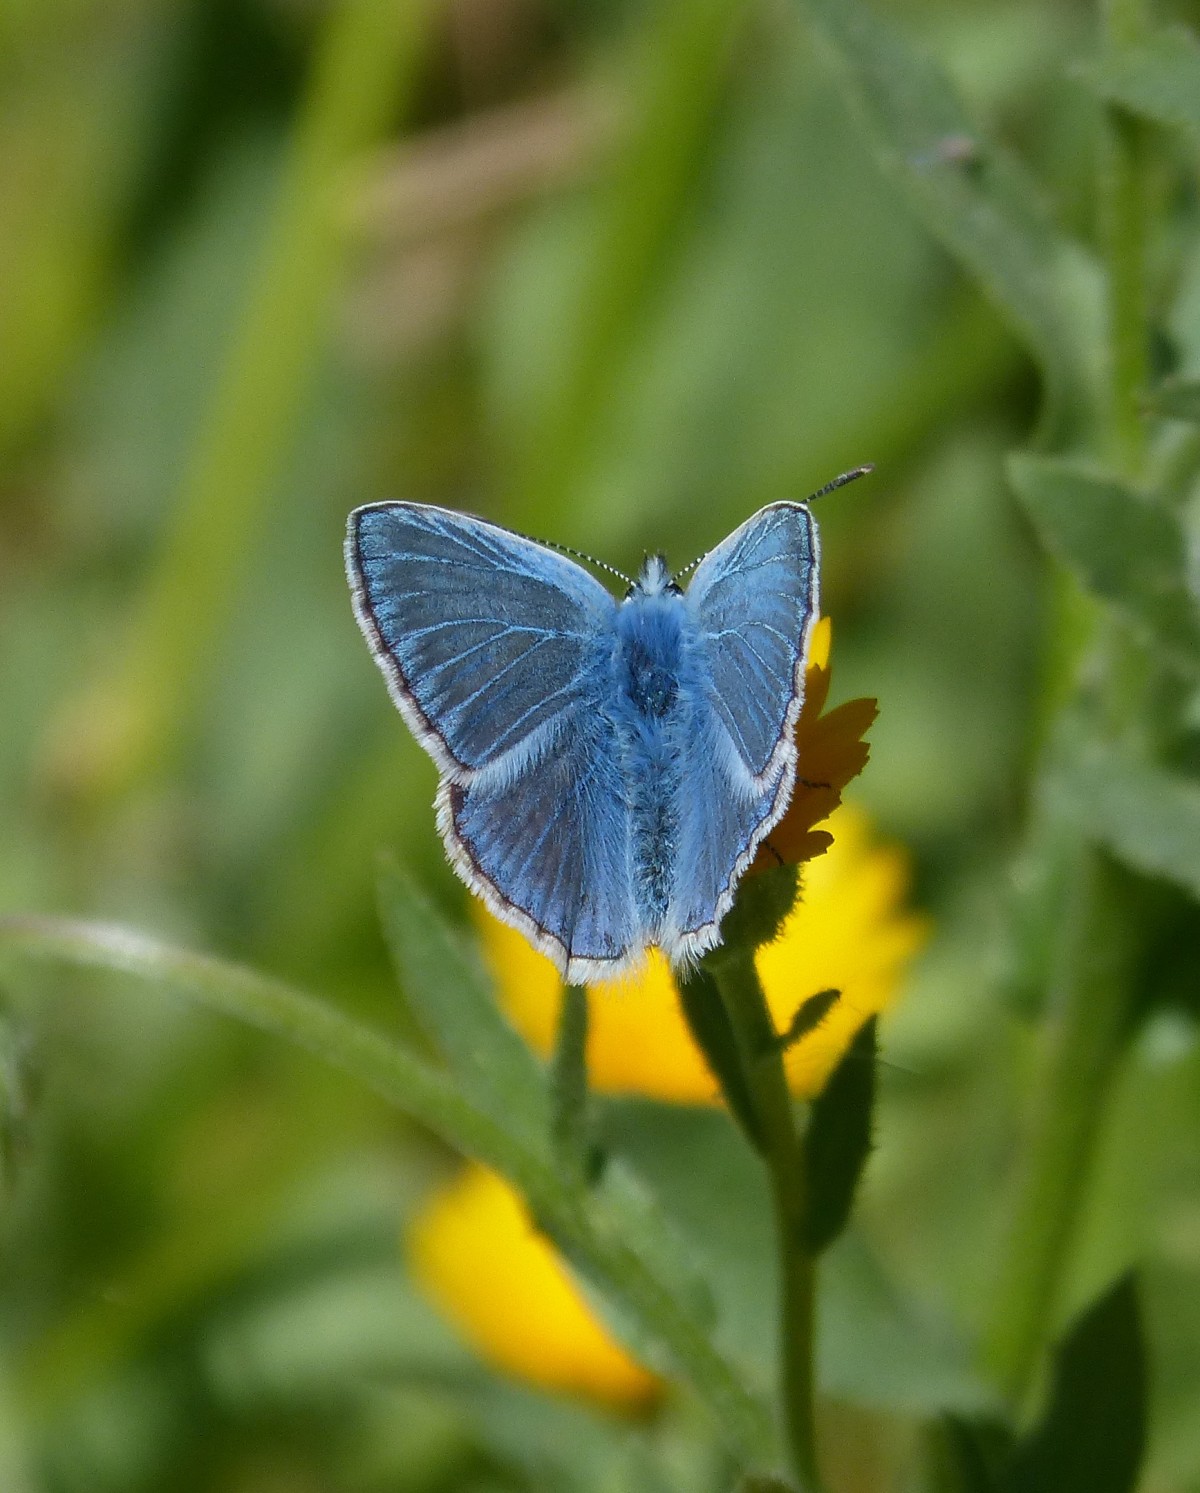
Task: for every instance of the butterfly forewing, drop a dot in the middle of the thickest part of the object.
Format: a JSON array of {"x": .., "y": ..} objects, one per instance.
[
  {"x": 484, "y": 636},
  {"x": 751, "y": 607},
  {"x": 499, "y": 654},
  {"x": 752, "y": 603}
]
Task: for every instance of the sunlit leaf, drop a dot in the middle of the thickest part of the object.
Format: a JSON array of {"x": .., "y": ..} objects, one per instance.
[
  {"x": 612, "y": 1232},
  {"x": 971, "y": 194},
  {"x": 1123, "y": 547},
  {"x": 1147, "y": 817},
  {"x": 1158, "y": 78}
]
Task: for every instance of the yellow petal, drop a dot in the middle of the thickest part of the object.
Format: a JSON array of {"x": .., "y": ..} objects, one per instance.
[{"x": 476, "y": 1253}]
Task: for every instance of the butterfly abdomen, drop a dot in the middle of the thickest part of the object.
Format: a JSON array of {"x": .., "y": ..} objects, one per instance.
[{"x": 649, "y": 649}]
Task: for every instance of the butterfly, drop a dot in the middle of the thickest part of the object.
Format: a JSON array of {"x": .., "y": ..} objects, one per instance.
[{"x": 608, "y": 770}]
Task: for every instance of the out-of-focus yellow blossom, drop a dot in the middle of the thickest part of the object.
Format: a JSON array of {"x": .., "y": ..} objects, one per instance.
[
  {"x": 849, "y": 931},
  {"x": 476, "y": 1253}
]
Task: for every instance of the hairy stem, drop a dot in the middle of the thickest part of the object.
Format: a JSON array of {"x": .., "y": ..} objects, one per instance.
[
  {"x": 1087, "y": 1024},
  {"x": 762, "y": 1058},
  {"x": 569, "y": 1085}
]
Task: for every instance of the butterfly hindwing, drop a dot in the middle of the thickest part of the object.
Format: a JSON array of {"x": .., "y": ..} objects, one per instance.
[
  {"x": 554, "y": 842},
  {"x": 498, "y": 653},
  {"x": 721, "y": 815}
]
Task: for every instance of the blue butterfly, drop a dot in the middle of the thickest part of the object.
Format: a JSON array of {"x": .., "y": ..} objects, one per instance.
[{"x": 608, "y": 769}]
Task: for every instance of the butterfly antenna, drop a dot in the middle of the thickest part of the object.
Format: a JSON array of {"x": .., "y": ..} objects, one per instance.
[
  {"x": 829, "y": 487},
  {"x": 851, "y": 476},
  {"x": 565, "y": 549}
]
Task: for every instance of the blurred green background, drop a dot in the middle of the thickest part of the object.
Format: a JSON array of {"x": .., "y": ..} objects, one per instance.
[{"x": 615, "y": 275}]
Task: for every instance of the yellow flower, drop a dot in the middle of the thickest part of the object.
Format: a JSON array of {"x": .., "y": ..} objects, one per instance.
[
  {"x": 848, "y": 931},
  {"x": 476, "y": 1252}
]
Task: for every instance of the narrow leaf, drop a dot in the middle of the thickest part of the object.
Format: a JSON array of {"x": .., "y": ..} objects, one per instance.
[
  {"x": 708, "y": 1021},
  {"x": 1147, "y": 817},
  {"x": 392, "y": 1071},
  {"x": 809, "y": 1015},
  {"x": 611, "y": 1232},
  {"x": 1158, "y": 79},
  {"x": 451, "y": 997},
  {"x": 1093, "y": 1434},
  {"x": 1123, "y": 547},
  {"x": 838, "y": 1140},
  {"x": 629, "y": 1212},
  {"x": 971, "y": 195},
  {"x": 1176, "y": 399}
]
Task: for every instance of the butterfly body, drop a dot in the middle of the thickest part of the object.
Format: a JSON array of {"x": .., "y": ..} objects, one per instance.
[
  {"x": 608, "y": 769},
  {"x": 650, "y": 717}
]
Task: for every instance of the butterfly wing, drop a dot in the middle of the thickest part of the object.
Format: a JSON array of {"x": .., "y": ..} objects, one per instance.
[
  {"x": 497, "y": 652},
  {"x": 751, "y": 607},
  {"x": 482, "y": 635}
]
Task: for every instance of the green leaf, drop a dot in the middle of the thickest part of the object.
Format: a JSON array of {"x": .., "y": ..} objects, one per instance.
[
  {"x": 1176, "y": 399},
  {"x": 629, "y": 1214},
  {"x": 451, "y": 998},
  {"x": 759, "y": 910},
  {"x": 612, "y": 1232},
  {"x": 809, "y": 1015},
  {"x": 838, "y": 1140},
  {"x": 708, "y": 1021},
  {"x": 1093, "y": 1434},
  {"x": 971, "y": 195},
  {"x": 392, "y": 1071},
  {"x": 975, "y": 1452},
  {"x": 1147, "y": 817},
  {"x": 365, "y": 63},
  {"x": 1158, "y": 79},
  {"x": 1121, "y": 546}
]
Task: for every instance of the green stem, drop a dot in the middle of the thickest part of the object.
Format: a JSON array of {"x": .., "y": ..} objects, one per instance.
[
  {"x": 762, "y": 1058},
  {"x": 1088, "y": 1022},
  {"x": 569, "y": 1086},
  {"x": 1089, "y": 974},
  {"x": 1122, "y": 192}
]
